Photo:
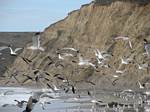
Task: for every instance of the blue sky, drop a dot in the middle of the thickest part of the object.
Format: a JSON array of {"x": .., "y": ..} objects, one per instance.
[{"x": 34, "y": 15}]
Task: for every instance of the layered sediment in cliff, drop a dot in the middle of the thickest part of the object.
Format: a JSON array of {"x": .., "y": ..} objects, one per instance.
[{"x": 93, "y": 26}]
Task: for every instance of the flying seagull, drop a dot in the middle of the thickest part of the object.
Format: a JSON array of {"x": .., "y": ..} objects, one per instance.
[
  {"x": 147, "y": 47},
  {"x": 120, "y": 71},
  {"x": 85, "y": 62},
  {"x": 70, "y": 48},
  {"x": 125, "y": 61},
  {"x": 140, "y": 85},
  {"x": 36, "y": 42},
  {"x": 13, "y": 52},
  {"x": 20, "y": 103},
  {"x": 60, "y": 57},
  {"x": 44, "y": 99},
  {"x": 125, "y": 38},
  {"x": 143, "y": 66},
  {"x": 98, "y": 54}
]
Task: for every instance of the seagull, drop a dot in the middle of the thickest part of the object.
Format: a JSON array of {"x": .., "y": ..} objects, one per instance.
[
  {"x": 98, "y": 54},
  {"x": 60, "y": 57},
  {"x": 64, "y": 55},
  {"x": 13, "y": 52},
  {"x": 125, "y": 38},
  {"x": 120, "y": 71},
  {"x": 99, "y": 62},
  {"x": 147, "y": 93},
  {"x": 73, "y": 49},
  {"x": 68, "y": 54},
  {"x": 96, "y": 101},
  {"x": 53, "y": 88},
  {"x": 115, "y": 76},
  {"x": 147, "y": 47},
  {"x": 85, "y": 62},
  {"x": 36, "y": 42},
  {"x": 20, "y": 103},
  {"x": 127, "y": 90},
  {"x": 102, "y": 55},
  {"x": 141, "y": 86},
  {"x": 122, "y": 37},
  {"x": 44, "y": 99},
  {"x": 125, "y": 61},
  {"x": 142, "y": 66}
]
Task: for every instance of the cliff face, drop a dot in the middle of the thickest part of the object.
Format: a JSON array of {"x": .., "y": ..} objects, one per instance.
[{"x": 94, "y": 26}]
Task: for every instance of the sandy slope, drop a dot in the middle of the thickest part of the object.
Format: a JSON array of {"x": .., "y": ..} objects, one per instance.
[{"x": 94, "y": 26}]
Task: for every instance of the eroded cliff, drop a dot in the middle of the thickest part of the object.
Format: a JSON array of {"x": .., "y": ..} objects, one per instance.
[{"x": 93, "y": 26}]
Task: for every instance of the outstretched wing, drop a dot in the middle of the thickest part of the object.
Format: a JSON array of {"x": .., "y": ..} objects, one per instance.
[
  {"x": 130, "y": 44},
  {"x": 38, "y": 41},
  {"x": 17, "y": 49},
  {"x": 35, "y": 41}
]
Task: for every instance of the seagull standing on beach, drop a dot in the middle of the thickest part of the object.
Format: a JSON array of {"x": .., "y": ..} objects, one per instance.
[
  {"x": 125, "y": 38},
  {"x": 36, "y": 42}
]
